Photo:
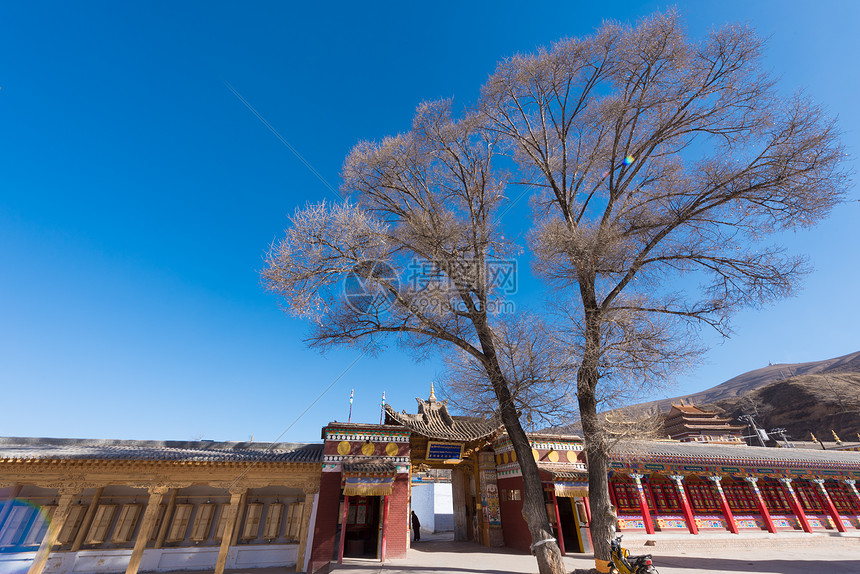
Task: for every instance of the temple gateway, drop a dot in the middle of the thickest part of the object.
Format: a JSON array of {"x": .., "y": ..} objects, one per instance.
[{"x": 107, "y": 506}]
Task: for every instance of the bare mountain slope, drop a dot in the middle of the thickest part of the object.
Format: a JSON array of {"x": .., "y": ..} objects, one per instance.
[
  {"x": 758, "y": 378},
  {"x": 818, "y": 403}
]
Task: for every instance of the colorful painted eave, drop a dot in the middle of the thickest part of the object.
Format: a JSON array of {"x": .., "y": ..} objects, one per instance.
[{"x": 691, "y": 458}]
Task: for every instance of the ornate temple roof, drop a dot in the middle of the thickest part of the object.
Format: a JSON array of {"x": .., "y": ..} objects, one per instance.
[
  {"x": 689, "y": 410},
  {"x": 433, "y": 421},
  {"x": 31, "y": 448}
]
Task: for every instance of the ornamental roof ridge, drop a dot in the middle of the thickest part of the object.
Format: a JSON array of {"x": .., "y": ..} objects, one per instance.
[
  {"x": 434, "y": 421},
  {"x": 750, "y": 454},
  {"x": 38, "y": 448}
]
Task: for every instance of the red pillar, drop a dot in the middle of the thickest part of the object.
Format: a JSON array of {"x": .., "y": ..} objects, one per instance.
[
  {"x": 558, "y": 524},
  {"x": 724, "y": 505},
  {"x": 384, "y": 528},
  {"x": 685, "y": 504},
  {"x": 343, "y": 529},
  {"x": 643, "y": 503},
  {"x": 831, "y": 509},
  {"x": 588, "y": 508},
  {"x": 762, "y": 506},
  {"x": 795, "y": 504}
]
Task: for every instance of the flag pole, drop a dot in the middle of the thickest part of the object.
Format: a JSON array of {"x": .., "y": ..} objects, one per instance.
[{"x": 382, "y": 412}]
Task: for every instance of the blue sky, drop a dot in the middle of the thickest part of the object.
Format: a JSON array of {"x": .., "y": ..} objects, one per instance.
[{"x": 138, "y": 195}]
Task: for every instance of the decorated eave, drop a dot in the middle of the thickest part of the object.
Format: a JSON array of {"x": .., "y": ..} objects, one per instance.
[
  {"x": 336, "y": 431},
  {"x": 435, "y": 422},
  {"x": 553, "y": 472},
  {"x": 32, "y": 449},
  {"x": 702, "y": 458},
  {"x": 369, "y": 467}
]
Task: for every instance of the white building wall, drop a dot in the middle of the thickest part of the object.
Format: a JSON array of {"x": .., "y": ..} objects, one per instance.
[
  {"x": 443, "y": 507},
  {"x": 433, "y": 504},
  {"x": 422, "y": 505}
]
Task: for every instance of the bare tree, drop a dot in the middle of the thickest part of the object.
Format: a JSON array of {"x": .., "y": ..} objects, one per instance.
[
  {"x": 537, "y": 365},
  {"x": 421, "y": 246},
  {"x": 663, "y": 163}
]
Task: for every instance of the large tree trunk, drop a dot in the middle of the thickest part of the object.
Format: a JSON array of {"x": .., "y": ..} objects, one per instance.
[
  {"x": 596, "y": 449},
  {"x": 602, "y": 521},
  {"x": 544, "y": 544}
]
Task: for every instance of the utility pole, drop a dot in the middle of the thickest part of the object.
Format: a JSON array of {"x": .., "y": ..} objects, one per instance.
[
  {"x": 761, "y": 434},
  {"x": 783, "y": 434}
]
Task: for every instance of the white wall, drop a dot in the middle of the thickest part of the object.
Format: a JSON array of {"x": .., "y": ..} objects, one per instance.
[
  {"x": 443, "y": 507},
  {"x": 434, "y": 506},
  {"x": 422, "y": 505}
]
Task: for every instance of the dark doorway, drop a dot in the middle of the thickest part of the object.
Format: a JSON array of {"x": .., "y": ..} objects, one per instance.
[
  {"x": 569, "y": 525},
  {"x": 362, "y": 527}
]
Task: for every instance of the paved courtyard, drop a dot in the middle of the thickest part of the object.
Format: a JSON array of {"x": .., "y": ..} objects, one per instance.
[{"x": 786, "y": 553}]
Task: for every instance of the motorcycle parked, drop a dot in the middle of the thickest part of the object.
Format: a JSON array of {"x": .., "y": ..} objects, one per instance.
[{"x": 623, "y": 563}]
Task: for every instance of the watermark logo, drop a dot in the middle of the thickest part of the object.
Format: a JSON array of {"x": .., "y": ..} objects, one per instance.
[{"x": 373, "y": 286}]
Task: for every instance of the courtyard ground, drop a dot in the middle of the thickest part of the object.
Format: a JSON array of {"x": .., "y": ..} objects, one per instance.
[{"x": 784, "y": 553}]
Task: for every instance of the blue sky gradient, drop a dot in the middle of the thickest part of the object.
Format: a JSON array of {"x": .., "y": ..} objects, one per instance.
[{"x": 138, "y": 195}]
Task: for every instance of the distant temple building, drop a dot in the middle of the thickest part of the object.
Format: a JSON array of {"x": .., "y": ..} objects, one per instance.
[
  {"x": 688, "y": 423},
  {"x": 107, "y": 506}
]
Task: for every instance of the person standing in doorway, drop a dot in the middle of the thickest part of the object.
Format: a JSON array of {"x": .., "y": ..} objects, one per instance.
[{"x": 416, "y": 526}]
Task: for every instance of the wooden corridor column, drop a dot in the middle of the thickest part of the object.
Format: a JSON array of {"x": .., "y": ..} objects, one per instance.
[
  {"x": 67, "y": 496},
  {"x": 724, "y": 504},
  {"x": 165, "y": 521},
  {"x": 384, "y": 545},
  {"x": 458, "y": 493},
  {"x": 558, "y": 524},
  {"x": 310, "y": 492},
  {"x": 227, "y": 536},
  {"x": 762, "y": 506},
  {"x": 150, "y": 515},
  {"x": 678, "y": 479},
  {"x": 795, "y": 505},
  {"x": 643, "y": 503},
  {"x": 343, "y": 529},
  {"x": 88, "y": 519},
  {"x": 831, "y": 508}
]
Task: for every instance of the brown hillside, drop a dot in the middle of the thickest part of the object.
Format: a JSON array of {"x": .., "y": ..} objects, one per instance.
[
  {"x": 815, "y": 403},
  {"x": 751, "y": 380}
]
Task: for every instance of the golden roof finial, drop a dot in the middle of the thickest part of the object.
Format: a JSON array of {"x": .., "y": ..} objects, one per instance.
[
  {"x": 813, "y": 436},
  {"x": 838, "y": 440},
  {"x": 432, "y": 392}
]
